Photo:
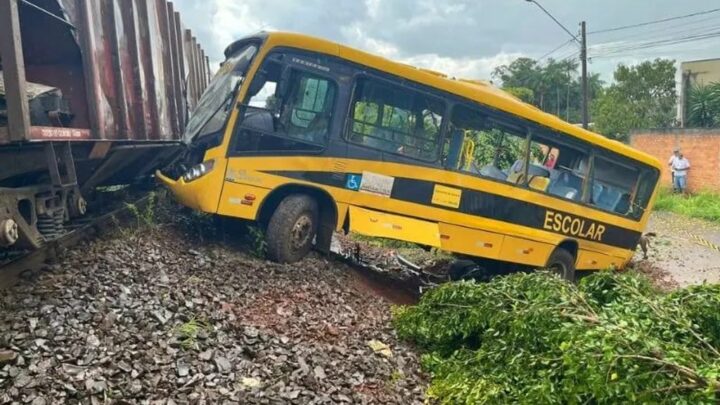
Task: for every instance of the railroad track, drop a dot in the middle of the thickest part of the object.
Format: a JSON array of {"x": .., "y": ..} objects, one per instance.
[
  {"x": 399, "y": 290},
  {"x": 16, "y": 263}
]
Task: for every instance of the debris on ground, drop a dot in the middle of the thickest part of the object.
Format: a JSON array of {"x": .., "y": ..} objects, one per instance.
[
  {"x": 380, "y": 348},
  {"x": 411, "y": 267}
]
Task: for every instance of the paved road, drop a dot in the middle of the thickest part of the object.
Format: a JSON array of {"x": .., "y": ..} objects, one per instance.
[{"x": 686, "y": 251}]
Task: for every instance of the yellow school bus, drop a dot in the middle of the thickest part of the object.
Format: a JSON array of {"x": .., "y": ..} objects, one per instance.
[{"x": 308, "y": 137}]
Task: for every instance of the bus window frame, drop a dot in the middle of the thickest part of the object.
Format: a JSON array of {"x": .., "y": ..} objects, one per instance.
[
  {"x": 540, "y": 133},
  {"x": 532, "y": 127},
  {"x": 631, "y": 164},
  {"x": 286, "y": 63},
  {"x": 496, "y": 116},
  {"x": 406, "y": 85}
]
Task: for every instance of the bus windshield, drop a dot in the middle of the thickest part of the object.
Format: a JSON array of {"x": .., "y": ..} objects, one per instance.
[{"x": 214, "y": 105}]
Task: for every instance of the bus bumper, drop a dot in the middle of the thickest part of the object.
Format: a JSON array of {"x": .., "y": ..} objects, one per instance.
[{"x": 201, "y": 194}]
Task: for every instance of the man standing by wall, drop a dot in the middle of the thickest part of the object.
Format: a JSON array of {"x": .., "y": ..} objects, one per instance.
[
  {"x": 680, "y": 167},
  {"x": 671, "y": 162}
]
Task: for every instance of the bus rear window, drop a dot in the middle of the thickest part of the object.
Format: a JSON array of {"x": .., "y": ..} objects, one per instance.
[
  {"x": 622, "y": 188},
  {"x": 396, "y": 119}
]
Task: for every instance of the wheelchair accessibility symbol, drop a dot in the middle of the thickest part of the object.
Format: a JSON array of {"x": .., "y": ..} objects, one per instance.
[{"x": 353, "y": 181}]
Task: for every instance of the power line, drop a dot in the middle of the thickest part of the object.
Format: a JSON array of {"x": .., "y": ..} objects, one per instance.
[
  {"x": 574, "y": 36},
  {"x": 698, "y": 32},
  {"x": 667, "y": 42},
  {"x": 564, "y": 44},
  {"x": 583, "y": 56},
  {"x": 625, "y": 27},
  {"x": 664, "y": 42},
  {"x": 575, "y": 56},
  {"x": 677, "y": 29}
]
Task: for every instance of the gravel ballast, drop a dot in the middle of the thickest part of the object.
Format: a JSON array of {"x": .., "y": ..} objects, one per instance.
[{"x": 150, "y": 317}]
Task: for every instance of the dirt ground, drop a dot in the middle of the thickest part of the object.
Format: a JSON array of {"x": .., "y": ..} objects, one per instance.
[{"x": 685, "y": 252}]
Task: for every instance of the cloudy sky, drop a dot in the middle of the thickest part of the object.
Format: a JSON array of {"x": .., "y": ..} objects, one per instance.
[{"x": 467, "y": 38}]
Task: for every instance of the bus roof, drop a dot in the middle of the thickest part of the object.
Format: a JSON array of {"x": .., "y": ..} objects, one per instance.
[{"x": 479, "y": 91}]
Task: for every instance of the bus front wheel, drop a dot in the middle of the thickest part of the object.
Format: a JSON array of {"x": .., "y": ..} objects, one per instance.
[
  {"x": 562, "y": 263},
  {"x": 292, "y": 229}
]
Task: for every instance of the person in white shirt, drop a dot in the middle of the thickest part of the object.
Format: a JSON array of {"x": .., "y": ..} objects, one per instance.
[
  {"x": 680, "y": 169},
  {"x": 676, "y": 153}
]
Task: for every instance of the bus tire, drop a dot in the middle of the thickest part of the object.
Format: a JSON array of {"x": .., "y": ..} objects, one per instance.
[
  {"x": 292, "y": 229},
  {"x": 562, "y": 263},
  {"x": 462, "y": 268}
]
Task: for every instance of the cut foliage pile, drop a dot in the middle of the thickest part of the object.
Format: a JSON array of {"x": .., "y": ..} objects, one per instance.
[{"x": 535, "y": 338}]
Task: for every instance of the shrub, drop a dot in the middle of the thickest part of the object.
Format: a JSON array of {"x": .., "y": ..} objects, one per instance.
[
  {"x": 534, "y": 338},
  {"x": 703, "y": 205}
]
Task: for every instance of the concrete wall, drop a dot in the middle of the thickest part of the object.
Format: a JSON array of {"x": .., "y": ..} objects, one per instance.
[
  {"x": 702, "y": 71},
  {"x": 700, "y": 146},
  {"x": 691, "y": 73}
]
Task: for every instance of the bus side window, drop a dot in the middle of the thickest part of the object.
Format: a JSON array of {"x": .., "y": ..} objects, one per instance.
[
  {"x": 614, "y": 187},
  {"x": 499, "y": 150},
  {"x": 646, "y": 186},
  {"x": 555, "y": 167},
  {"x": 396, "y": 119}
]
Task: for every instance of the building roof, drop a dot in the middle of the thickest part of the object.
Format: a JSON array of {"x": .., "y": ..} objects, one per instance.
[{"x": 700, "y": 60}]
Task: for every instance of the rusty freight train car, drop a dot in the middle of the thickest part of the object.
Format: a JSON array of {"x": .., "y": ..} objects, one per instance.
[{"x": 92, "y": 93}]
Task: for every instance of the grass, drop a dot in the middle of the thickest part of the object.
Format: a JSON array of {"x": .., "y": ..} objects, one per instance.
[
  {"x": 188, "y": 332},
  {"x": 704, "y": 205},
  {"x": 256, "y": 241},
  {"x": 383, "y": 242},
  {"x": 145, "y": 217},
  {"x": 411, "y": 251}
]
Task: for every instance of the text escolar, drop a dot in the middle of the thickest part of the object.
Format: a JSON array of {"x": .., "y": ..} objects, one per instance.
[{"x": 557, "y": 222}]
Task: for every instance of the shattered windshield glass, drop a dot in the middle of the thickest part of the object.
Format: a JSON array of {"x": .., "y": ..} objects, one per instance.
[{"x": 214, "y": 106}]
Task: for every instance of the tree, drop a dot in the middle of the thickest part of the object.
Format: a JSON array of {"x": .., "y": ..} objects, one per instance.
[
  {"x": 703, "y": 105},
  {"x": 642, "y": 96},
  {"x": 614, "y": 115},
  {"x": 553, "y": 87},
  {"x": 523, "y": 93}
]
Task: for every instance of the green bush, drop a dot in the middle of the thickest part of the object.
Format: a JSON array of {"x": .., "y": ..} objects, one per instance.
[
  {"x": 533, "y": 338},
  {"x": 703, "y": 205}
]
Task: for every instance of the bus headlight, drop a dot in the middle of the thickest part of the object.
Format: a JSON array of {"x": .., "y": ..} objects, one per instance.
[{"x": 198, "y": 171}]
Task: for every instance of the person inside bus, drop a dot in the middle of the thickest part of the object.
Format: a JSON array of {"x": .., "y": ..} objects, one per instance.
[{"x": 550, "y": 162}]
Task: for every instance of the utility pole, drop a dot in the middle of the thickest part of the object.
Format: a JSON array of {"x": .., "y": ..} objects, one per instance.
[{"x": 583, "y": 61}]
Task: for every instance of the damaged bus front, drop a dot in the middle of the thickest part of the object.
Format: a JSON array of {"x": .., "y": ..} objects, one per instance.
[{"x": 206, "y": 129}]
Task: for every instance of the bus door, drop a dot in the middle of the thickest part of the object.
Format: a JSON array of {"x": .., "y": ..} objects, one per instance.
[{"x": 289, "y": 127}]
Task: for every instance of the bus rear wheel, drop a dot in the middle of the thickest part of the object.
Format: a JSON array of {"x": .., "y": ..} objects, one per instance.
[
  {"x": 562, "y": 263},
  {"x": 292, "y": 229}
]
